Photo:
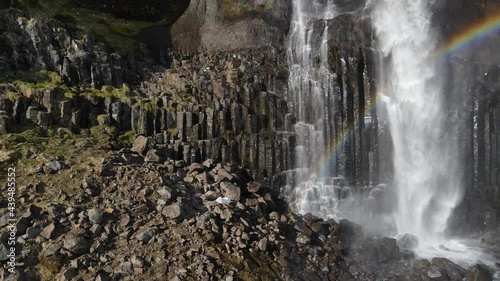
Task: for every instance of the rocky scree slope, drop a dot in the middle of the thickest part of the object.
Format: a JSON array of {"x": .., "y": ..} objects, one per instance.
[{"x": 130, "y": 214}]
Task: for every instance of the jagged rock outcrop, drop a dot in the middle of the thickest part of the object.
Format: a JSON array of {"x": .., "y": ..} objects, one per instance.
[
  {"x": 224, "y": 25},
  {"x": 223, "y": 106},
  {"x": 32, "y": 43},
  {"x": 227, "y": 99},
  {"x": 226, "y": 106}
]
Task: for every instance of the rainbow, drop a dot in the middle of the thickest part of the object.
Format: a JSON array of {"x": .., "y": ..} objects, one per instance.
[
  {"x": 458, "y": 42},
  {"x": 337, "y": 145},
  {"x": 473, "y": 34}
]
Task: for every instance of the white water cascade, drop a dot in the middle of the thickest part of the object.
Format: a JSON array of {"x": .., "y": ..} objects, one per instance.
[
  {"x": 427, "y": 177},
  {"x": 311, "y": 83},
  {"x": 426, "y": 184},
  {"x": 317, "y": 184}
]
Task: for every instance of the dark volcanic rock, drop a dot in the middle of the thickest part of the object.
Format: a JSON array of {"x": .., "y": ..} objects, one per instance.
[
  {"x": 385, "y": 249},
  {"x": 77, "y": 244},
  {"x": 479, "y": 272},
  {"x": 407, "y": 241}
]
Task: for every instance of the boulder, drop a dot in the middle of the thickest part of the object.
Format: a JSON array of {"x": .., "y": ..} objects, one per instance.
[
  {"x": 452, "y": 270},
  {"x": 254, "y": 187},
  {"x": 48, "y": 232},
  {"x": 140, "y": 145},
  {"x": 95, "y": 216},
  {"x": 479, "y": 272},
  {"x": 384, "y": 250},
  {"x": 173, "y": 211},
  {"x": 153, "y": 156},
  {"x": 231, "y": 191},
  {"x": 407, "y": 241},
  {"x": 77, "y": 244}
]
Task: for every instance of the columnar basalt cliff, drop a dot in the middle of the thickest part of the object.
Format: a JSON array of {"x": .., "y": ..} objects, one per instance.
[
  {"x": 355, "y": 118},
  {"x": 237, "y": 99},
  {"x": 220, "y": 96}
]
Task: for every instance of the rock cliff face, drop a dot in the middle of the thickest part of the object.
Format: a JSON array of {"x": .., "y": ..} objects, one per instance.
[
  {"x": 355, "y": 118},
  {"x": 220, "y": 98},
  {"x": 33, "y": 44},
  {"x": 228, "y": 105},
  {"x": 224, "y": 25},
  {"x": 222, "y": 92}
]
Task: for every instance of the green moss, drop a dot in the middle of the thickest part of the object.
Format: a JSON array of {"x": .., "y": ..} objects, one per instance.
[
  {"x": 103, "y": 120},
  {"x": 122, "y": 94},
  {"x": 118, "y": 33},
  {"x": 126, "y": 139},
  {"x": 148, "y": 105},
  {"x": 32, "y": 79},
  {"x": 231, "y": 9},
  {"x": 13, "y": 96},
  {"x": 70, "y": 95},
  {"x": 103, "y": 132}
]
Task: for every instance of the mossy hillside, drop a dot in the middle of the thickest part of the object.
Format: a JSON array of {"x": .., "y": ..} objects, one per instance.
[
  {"x": 120, "y": 34},
  {"x": 123, "y": 94},
  {"x": 28, "y": 84}
]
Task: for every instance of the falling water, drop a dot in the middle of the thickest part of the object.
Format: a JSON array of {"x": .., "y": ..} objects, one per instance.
[
  {"x": 311, "y": 83},
  {"x": 427, "y": 179},
  {"x": 313, "y": 89},
  {"x": 426, "y": 176}
]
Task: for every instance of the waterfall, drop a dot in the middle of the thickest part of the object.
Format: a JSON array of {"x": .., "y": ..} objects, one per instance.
[
  {"x": 425, "y": 186},
  {"x": 426, "y": 176},
  {"x": 311, "y": 86}
]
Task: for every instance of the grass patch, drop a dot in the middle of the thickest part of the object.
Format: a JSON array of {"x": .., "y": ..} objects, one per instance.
[
  {"x": 122, "y": 93},
  {"x": 126, "y": 139},
  {"x": 34, "y": 79},
  {"x": 148, "y": 105}
]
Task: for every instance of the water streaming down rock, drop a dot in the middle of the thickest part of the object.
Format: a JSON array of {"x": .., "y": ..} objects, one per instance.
[
  {"x": 425, "y": 184},
  {"x": 427, "y": 178},
  {"x": 334, "y": 132},
  {"x": 311, "y": 84}
]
